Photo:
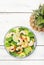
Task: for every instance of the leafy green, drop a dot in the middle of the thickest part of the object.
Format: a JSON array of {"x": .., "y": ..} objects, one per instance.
[
  {"x": 30, "y": 34},
  {"x": 14, "y": 43},
  {"x": 9, "y": 39},
  {"x": 33, "y": 47},
  {"x": 7, "y": 44},
  {"x": 14, "y": 54},
  {"x": 12, "y": 30},
  {"x": 22, "y": 28},
  {"x": 31, "y": 38}
]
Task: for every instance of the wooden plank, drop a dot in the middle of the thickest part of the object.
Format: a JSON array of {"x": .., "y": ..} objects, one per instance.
[
  {"x": 22, "y": 62},
  {"x": 19, "y": 5},
  {"x": 38, "y": 54}
]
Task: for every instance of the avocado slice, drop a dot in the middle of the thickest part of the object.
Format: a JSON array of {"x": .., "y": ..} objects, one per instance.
[
  {"x": 22, "y": 54},
  {"x": 27, "y": 50}
]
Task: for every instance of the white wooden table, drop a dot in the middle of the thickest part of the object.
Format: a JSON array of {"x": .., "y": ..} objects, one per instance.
[{"x": 17, "y": 13}]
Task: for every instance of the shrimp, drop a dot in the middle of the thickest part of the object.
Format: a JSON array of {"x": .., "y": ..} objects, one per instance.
[
  {"x": 19, "y": 50},
  {"x": 10, "y": 34},
  {"x": 11, "y": 48}
]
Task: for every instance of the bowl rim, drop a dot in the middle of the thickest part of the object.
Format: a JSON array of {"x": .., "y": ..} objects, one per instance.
[{"x": 34, "y": 43}]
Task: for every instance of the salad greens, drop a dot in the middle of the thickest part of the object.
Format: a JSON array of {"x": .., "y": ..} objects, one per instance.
[{"x": 19, "y": 42}]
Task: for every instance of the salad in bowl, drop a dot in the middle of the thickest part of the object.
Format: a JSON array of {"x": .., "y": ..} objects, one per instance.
[{"x": 20, "y": 42}]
